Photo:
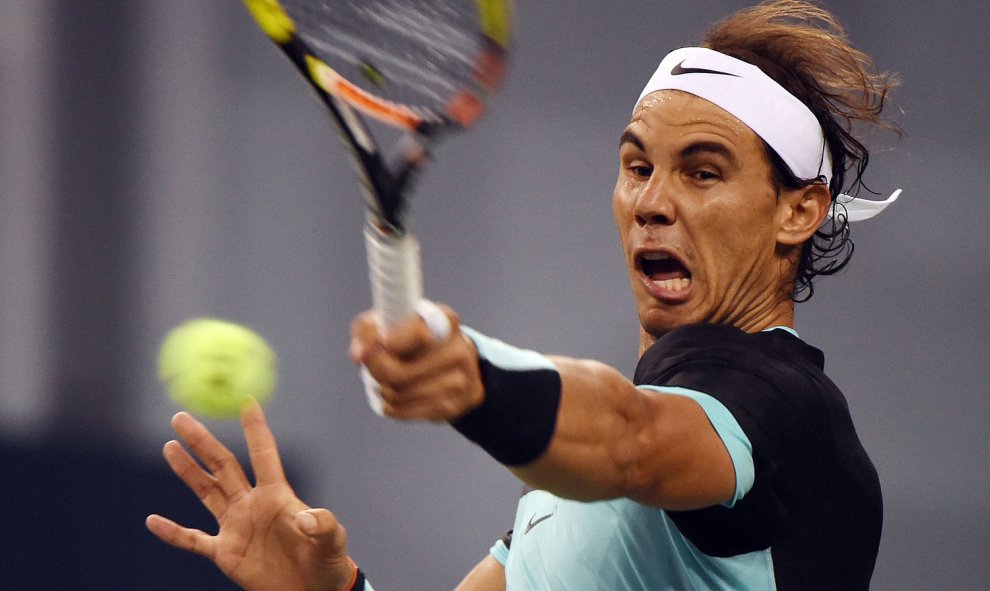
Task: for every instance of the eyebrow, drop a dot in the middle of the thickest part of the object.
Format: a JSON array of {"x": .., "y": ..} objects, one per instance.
[
  {"x": 716, "y": 148},
  {"x": 629, "y": 137}
]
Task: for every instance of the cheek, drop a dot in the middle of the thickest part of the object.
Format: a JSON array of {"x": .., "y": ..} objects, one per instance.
[
  {"x": 621, "y": 206},
  {"x": 623, "y": 214},
  {"x": 735, "y": 234},
  {"x": 745, "y": 240}
]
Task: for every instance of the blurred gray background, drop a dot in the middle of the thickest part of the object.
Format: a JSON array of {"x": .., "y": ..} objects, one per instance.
[{"x": 160, "y": 160}]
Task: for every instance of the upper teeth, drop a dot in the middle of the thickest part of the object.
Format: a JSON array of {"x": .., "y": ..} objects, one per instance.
[{"x": 656, "y": 256}]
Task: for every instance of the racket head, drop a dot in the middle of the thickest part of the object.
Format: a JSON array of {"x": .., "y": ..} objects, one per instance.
[
  {"x": 420, "y": 66},
  {"x": 423, "y": 66}
]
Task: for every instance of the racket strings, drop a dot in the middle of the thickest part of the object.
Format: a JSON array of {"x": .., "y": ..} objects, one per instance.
[{"x": 415, "y": 52}]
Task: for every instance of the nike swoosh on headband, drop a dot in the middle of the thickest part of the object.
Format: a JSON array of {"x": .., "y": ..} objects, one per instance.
[{"x": 679, "y": 70}]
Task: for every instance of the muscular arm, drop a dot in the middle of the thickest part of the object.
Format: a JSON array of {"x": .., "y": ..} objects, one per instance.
[{"x": 613, "y": 439}]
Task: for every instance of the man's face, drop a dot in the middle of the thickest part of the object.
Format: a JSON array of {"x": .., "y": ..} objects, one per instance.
[{"x": 695, "y": 208}]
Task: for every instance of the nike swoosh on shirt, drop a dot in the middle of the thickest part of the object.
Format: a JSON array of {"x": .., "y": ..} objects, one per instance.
[
  {"x": 679, "y": 70},
  {"x": 533, "y": 524}
]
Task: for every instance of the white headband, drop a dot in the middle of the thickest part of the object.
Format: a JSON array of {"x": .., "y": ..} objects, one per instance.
[{"x": 774, "y": 114}]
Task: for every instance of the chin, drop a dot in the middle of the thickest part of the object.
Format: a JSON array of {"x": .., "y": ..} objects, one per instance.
[{"x": 657, "y": 323}]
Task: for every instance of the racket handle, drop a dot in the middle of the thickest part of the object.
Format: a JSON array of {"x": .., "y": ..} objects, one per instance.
[
  {"x": 397, "y": 292},
  {"x": 396, "y": 274}
]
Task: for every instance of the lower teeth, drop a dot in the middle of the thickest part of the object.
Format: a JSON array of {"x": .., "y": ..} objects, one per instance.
[{"x": 673, "y": 284}]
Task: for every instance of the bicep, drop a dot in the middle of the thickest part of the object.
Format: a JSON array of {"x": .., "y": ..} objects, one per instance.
[
  {"x": 613, "y": 439},
  {"x": 684, "y": 463},
  {"x": 487, "y": 575}
]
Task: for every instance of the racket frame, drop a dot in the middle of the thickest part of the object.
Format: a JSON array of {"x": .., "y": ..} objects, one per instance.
[{"x": 392, "y": 251}]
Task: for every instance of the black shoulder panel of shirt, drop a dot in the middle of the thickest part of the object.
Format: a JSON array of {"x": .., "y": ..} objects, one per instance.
[
  {"x": 720, "y": 342},
  {"x": 816, "y": 497}
]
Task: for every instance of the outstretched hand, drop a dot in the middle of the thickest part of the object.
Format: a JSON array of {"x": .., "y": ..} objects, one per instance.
[{"x": 268, "y": 538}]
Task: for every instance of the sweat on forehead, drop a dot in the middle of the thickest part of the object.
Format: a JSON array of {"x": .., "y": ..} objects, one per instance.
[{"x": 744, "y": 91}]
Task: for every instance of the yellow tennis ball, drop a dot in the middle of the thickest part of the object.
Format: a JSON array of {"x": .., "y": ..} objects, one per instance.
[{"x": 211, "y": 367}]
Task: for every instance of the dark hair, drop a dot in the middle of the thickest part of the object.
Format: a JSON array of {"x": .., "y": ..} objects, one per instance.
[{"x": 805, "y": 50}]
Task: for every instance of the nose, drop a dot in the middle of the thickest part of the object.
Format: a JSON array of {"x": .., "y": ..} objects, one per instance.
[{"x": 654, "y": 205}]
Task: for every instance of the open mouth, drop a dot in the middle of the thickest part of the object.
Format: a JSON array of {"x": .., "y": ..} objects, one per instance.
[{"x": 664, "y": 271}]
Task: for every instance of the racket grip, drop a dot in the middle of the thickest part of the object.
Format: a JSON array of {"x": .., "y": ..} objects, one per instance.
[{"x": 396, "y": 274}]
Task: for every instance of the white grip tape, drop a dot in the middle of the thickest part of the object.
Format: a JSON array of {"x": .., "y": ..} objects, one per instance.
[
  {"x": 394, "y": 270},
  {"x": 435, "y": 319},
  {"x": 373, "y": 392},
  {"x": 396, "y": 292}
]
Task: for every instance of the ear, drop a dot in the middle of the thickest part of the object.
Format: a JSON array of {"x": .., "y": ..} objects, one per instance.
[{"x": 800, "y": 212}]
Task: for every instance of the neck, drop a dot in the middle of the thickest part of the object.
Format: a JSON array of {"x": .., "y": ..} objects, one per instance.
[{"x": 782, "y": 315}]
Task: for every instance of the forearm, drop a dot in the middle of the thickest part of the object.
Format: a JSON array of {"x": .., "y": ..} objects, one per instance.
[
  {"x": 488, "y": 575},
  {"x": 581, "y": 430},
  {"x": 615, "y": 440},
  {"x": 591, "y": 455}
]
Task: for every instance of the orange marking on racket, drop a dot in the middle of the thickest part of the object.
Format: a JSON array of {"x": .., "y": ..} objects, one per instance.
[
  {"x": 490, "y": 70},
  {"x": 465, "y": 108},
  {"x": 362, "y": 100}
]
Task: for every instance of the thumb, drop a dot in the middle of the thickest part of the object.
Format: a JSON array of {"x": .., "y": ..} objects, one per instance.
[
  {"x": 323, "y": 528},
  {"x": 329, "y": 538}
]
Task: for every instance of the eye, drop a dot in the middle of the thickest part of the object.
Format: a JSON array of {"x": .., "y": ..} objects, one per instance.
[
  {"x": 640, "y": 169},
  {"x": 705, "y": 175}
]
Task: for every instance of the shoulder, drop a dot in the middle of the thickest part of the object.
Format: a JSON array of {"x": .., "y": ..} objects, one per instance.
[
  {"x": 769, "y": 381},
  {"x": 720, "y": 346}
]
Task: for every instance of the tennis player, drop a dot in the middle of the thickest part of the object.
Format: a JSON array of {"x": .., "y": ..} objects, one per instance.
[{"x": 730, "y": 460}]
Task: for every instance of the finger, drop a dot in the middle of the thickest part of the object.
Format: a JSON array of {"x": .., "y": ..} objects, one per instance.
[
  {"x": 455, "y": 355},
  {"x": 444, "y": 398},
  {"x": 365, "y": 336},
  {"x": 441, "y": 385},
  {"x": 184, "y": 538},
  {"x": 214, "y": 455},
  {"x": 431, "y": 326},
  {"x": 198, "y": 480},
  {"x": 262, "y": 449},
  {"x": 431, "y": 410}
]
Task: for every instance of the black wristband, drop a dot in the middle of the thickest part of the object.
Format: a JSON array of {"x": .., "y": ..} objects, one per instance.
[
  {"x": 359, "y": 581},
  {"x": 518, "y": 416}
]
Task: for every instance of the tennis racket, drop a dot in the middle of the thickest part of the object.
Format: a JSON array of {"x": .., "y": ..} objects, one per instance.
[{"x": 422, "y": 67}]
